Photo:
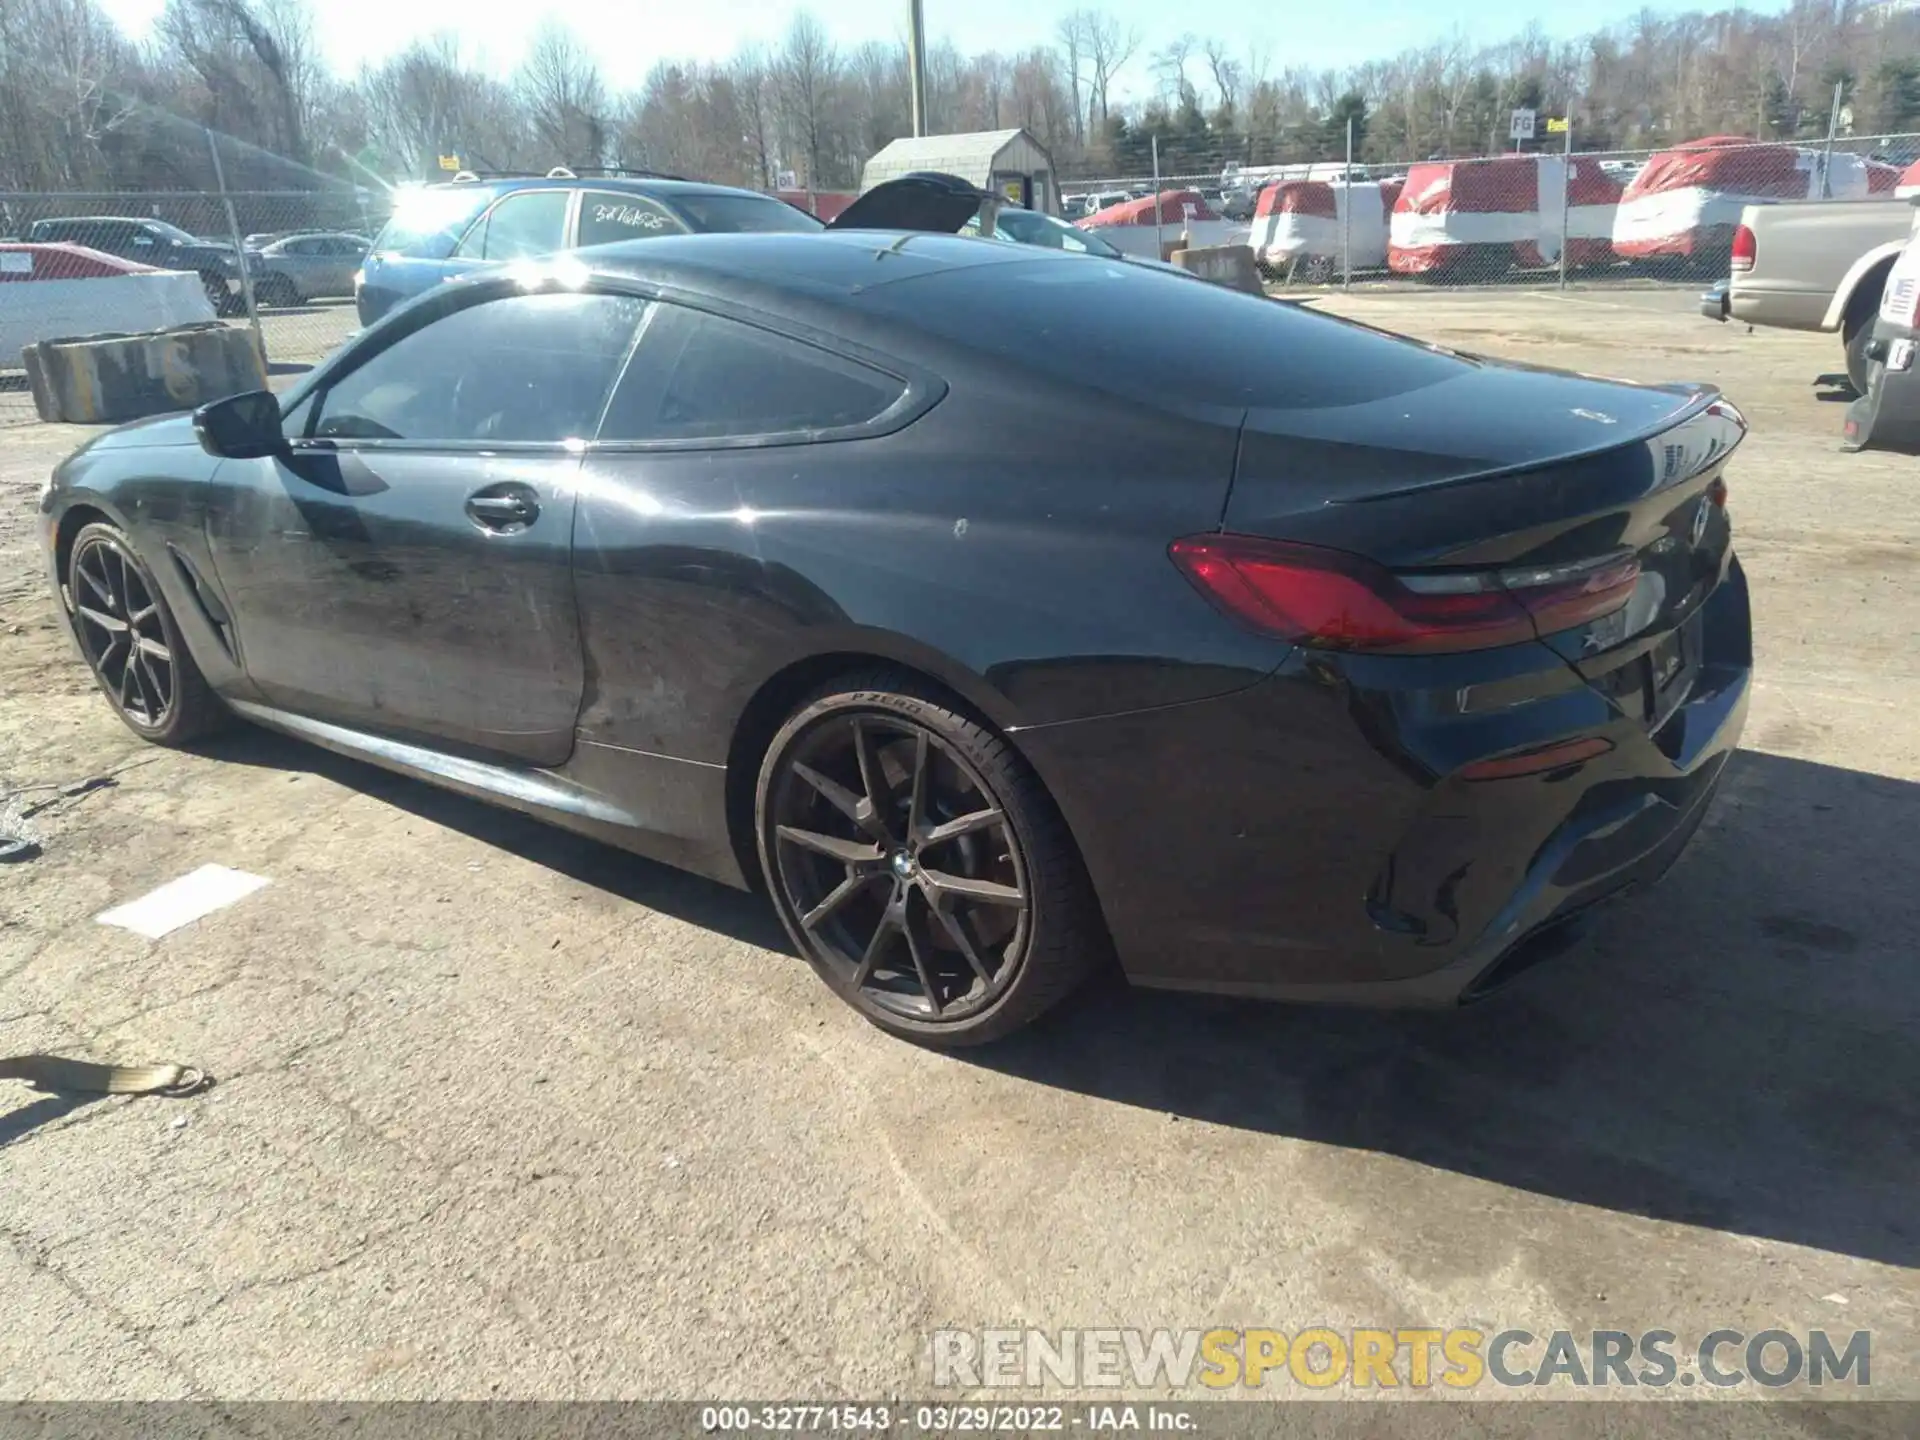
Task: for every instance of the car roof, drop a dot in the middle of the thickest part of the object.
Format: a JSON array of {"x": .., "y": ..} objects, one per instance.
[
  {"x": 836, "y": 265},
  {"x": 664, "y": 186}
]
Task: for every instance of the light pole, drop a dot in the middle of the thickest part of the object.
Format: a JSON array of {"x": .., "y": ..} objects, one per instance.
[{"x": 917, "y": 64}]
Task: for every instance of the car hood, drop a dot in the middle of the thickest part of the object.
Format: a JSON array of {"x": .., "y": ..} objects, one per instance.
[
  {"x": 155, "y": 432},
  {"x": 924, "y": 200}
]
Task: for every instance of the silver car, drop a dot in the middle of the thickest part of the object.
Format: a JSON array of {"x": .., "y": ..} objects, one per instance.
[{"x": 294, "y": 269}]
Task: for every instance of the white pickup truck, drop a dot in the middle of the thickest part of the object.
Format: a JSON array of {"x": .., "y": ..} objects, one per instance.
[{"x": 1814, "y": 265}]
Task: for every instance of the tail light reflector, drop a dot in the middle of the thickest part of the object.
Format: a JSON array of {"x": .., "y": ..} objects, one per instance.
[
  {"x": 1535, "y": 762},
  {"x": 1330, "y": 600},
  {"x": 1745, "y": 248}
]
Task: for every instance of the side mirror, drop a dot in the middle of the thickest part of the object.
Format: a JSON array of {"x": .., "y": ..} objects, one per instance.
[{"x": 241, "y": 427}]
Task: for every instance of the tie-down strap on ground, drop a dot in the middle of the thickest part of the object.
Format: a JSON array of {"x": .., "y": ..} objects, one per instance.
[{"x": 59, "y": 1073}]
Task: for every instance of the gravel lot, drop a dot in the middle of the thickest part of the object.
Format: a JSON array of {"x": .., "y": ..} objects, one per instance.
[{"x": 505, "y": 1113}]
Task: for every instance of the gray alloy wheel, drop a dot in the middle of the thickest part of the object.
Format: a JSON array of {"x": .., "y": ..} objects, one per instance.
[
  {"x": 130, "y": 642},
  {"x": 919, "y": 865}
]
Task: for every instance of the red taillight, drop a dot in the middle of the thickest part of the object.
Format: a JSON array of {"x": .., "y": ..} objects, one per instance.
[
  {"x": 1744, "y": 249},
  {"x": 1559, "y": 600},
  {"x": 1330, "y": 600},
  {"x": 1535, "y": 762}
]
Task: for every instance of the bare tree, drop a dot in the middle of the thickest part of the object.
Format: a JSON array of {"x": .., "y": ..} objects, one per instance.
[
  {"x": 806, "y": 69},
  {"x": 759, "y": 111},
  {"x": 1073, "y": 40},
  {"x": 565, "y": 98},
  {"x": 1110, "y": 45},
  {"x": 234, "y": 49},
  {"x": 426, "y": 102},
  {"x": 1227, "y": 73},
  {"x": 81, "y": 107},
  {"x": 65, "y": 80},
  {"x": 1170, "y": 63}
]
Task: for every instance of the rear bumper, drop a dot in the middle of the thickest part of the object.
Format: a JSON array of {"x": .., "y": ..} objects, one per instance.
[
  {"x": 1297, "y": 840},
  {"x": 1887, "y": 417}
]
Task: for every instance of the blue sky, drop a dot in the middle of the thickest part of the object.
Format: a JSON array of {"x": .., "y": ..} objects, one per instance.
[{"x": 630, "y": 36}]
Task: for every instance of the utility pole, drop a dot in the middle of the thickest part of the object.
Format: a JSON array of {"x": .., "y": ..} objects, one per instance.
[{"x": 917, "y": 63}]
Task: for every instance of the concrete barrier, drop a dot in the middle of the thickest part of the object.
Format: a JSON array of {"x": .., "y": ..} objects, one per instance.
[
  {"x": 1228, "y": 265},
  {"x": 106, "y": 379}
]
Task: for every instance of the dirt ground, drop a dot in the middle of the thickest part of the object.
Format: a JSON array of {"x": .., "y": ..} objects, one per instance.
[{"x": 504, "y": 1113}]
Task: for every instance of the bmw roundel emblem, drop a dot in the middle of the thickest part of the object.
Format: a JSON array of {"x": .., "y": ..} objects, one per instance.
[{"x": 1700, "y": 518}]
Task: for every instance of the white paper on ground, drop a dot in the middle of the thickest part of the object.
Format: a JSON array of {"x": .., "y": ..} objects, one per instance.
[{"x": 179, "y": 902}]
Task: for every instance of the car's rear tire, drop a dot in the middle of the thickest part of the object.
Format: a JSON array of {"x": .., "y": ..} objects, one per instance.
[
  {"x": 218, "y": 295},
  {"x": 277, "y": 291},
  {"x": 1855, "y": 331},
  {"x": 919, "y": 864},
  {"x": 131, "y": 643}
]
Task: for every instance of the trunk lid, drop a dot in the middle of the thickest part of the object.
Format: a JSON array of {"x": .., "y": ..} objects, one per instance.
[
  {"x": 1505, "y": 468},
  {"x": 923, "y": 200}
]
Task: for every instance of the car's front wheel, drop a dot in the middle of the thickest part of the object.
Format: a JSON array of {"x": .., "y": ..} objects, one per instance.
[
  {"x": 920, "y": 866},
  {"x": 130, "y": 641}
]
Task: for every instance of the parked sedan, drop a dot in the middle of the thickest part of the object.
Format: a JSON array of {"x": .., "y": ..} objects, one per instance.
[
  {"x": 895, "y": 574},
  {"x": 294, "y": 269}
]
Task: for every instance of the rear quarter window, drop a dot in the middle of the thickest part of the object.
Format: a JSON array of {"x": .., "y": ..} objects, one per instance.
[{"x": 701, "y": 377}]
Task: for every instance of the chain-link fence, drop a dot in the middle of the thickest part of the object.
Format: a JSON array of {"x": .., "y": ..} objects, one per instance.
[
  {"x": 84, "y": 264},
  {"x": 284, "y": 261},
  {"x": 1534, "y": 218}
]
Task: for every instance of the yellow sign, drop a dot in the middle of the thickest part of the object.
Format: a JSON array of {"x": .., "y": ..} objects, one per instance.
[
  {"x": 1555, "y": 127},
  {"x": 449, "y": 162}
]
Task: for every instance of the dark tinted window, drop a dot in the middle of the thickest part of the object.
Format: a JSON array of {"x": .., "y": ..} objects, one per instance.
[
  {"x": 606, "y": 217},
  {"x": 1156, "y": 337},
  {"x": 428, "y": 223},
  {"x": 520, "y": 227},
  {"x": 697, "y": 376},
  {"x": 528, "y": 368},
  {"x": 99, "y": 234},
  {"x": 758, "y": 214}
]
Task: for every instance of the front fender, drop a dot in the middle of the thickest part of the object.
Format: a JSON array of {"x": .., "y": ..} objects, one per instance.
[{"x": 157, "y": 495}]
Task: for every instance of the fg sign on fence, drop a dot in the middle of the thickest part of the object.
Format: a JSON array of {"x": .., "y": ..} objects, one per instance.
[{"x": 1522, "y": 127}]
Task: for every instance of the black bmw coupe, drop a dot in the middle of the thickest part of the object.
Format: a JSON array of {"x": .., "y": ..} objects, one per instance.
[{"x": 1000, "y": 611}]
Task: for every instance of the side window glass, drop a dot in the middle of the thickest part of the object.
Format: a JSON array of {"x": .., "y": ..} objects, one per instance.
[
  {"x": 523, "y": 226},
  {"x": 606, "y": 217},
  {"x": 294, "y": 423},
  {"x": 520, "y": 369},
  {"x": 697, "y": 376}
]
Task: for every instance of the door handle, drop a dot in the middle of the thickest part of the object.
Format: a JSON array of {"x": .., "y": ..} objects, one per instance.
[{"x": 503, "y": 509}]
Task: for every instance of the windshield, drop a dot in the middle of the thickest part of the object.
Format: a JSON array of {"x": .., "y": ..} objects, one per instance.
[
  {"x": 170, "y": 232},
  {"x": 1029, "y": 227},
  {"x": 757, "y": 214},
  {"x": 427, "y": 223}
]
